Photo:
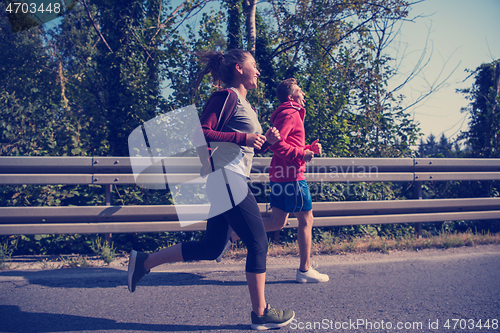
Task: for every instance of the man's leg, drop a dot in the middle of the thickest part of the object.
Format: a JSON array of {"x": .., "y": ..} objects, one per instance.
[{"x": 304, "y": 236}]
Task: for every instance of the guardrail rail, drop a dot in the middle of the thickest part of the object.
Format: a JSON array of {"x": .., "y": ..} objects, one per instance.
[{"x": 109, "y": 171}]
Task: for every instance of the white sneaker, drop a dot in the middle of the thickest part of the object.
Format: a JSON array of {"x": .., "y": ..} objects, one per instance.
[
  {"x": 226, "y": 248},
  {"x": 311, "y": 275}
]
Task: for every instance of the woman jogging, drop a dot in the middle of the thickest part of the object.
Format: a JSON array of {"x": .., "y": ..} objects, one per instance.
[{"x": 229, "y": 118}]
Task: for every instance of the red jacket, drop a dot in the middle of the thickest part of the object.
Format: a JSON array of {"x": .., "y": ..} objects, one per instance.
[{"x": 288, "y": 163}]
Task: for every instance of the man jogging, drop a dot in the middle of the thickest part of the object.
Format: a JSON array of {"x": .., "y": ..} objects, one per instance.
[{"x": 289, "y": 189}]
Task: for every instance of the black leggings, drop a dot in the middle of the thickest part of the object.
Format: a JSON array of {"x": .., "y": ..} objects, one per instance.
[{"x": 245, "y": 219}]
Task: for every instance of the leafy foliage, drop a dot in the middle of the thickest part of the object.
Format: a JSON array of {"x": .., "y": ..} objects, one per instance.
[
  {"x": 483, "y": 136},
  {"x": 80, "y": 88}
]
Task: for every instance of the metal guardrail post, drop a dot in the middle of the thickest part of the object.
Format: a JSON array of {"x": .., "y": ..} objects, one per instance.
[
  {"x": 417, "y": 194},
  {"x": 107, "y": 237}
]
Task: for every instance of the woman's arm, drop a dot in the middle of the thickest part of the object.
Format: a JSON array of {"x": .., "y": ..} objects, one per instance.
[
  {"x": 272, "y": 136},
  {"x": 220, "y": 102}
]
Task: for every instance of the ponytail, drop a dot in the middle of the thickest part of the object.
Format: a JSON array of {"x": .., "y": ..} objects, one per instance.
[{"x": 221, "y": 66}]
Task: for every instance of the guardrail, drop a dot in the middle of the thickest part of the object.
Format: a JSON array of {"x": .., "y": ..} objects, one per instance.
[{"x": 109, "y": 171}]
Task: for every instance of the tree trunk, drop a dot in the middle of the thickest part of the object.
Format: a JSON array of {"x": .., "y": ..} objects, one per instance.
[{"x": 250, "y": 9}]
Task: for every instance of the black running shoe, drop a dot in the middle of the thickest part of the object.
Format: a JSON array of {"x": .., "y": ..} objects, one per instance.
[{"x": 136, "y": 269}]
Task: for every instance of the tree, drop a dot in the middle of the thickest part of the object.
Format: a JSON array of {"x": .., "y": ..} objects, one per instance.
[
  {"x": 112, "y": 54},
  {"x": 327, "y": 24},
  {"x": 126, "y": 65},
  {"x": 484, "y": 112},
  {"x": 25, "y": 64},
  {"x": 234, "y": 24},
  {"x": 250, "y": 7},
  {"x": 332, "y": 49},
  {"x": 443, "y": 148},
  {"x": 109, "y": 61},
  {"x": 181, "y": 67},
  {"x": 33, "y": 121},
  {"x": 19, "y": 19}
]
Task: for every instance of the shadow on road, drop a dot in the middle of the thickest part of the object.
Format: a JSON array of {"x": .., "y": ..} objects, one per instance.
[
  {"x": 15, "y": 320},
  {"x": 112, "y": 278}
]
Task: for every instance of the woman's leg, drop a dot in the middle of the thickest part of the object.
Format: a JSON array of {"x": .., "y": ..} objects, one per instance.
[
  {"x": 256, "y": 286},
  {"x": 208, "y": 249},
  {"x": 246, "y": 220},
  {"x": 168, "y": 255},
  {"x": 211, "y": 245}
]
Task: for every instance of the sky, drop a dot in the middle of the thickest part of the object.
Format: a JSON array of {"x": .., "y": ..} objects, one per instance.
[{"x": 460, "y": 35}]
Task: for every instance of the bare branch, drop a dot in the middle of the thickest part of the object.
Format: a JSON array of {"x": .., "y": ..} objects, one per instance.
[
  {"x": 435, "y": 86},
  {"x": 164, "y": 24},
  {"x": 142, "y": 46},
  {"x": 294, "y": 43},
  {"x": 349, "y": 33},
  {"x": 172, "y": 15},
  {"x": 95, "y": 24}
]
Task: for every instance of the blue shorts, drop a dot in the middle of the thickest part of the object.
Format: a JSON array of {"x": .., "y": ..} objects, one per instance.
[{"x": 291, "y": 196}]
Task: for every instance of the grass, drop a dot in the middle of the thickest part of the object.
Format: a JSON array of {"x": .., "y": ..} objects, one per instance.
[
  {"x": 45, "y": 264},
  {"x": 334, "y": 245},
  {"x": 6, "y": 250},
  {"x": 73, "y": 261},
  {"x": 329, "y": 244},
  {"x": 104, "y": 250}
]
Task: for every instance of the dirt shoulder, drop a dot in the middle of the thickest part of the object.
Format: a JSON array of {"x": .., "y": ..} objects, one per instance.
[{"x": 35, "y": 263}]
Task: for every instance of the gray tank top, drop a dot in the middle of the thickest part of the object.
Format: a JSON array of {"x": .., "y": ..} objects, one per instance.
[{"x": 244, "y": 120}]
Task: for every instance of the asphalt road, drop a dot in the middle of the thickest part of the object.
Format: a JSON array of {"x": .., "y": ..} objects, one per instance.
[{"x": 430, "y": 291}]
